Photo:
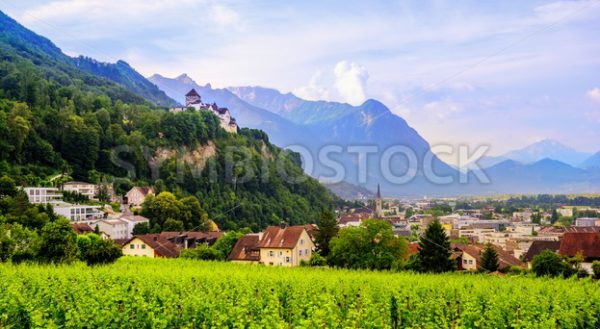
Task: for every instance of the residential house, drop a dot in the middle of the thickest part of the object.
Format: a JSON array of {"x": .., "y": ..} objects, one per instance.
[
  {"x": 117, "y": 229},
  {"x": 82, "y": 228},
  {"x": 187, "y": 240},
  {"x": 586, "y": 244},
  {"x": 587, "y": 221},
  {"x": 285, "y": 246},
  {"x": 136, "y": 195},
  {"x": 468, "y": 257},
  {"x": 87, "y": 189},
  {"x": 246, "y": 249},
  {"x": 150, "y": 245},
  {"x": 537, "y": 247},
  {"x": 133, "y": 220},
  {"x": 43, "y": 194},
  {"x": 78, "y": 212}
]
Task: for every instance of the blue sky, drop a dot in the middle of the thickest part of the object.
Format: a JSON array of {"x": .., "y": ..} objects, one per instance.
[{"x": 502, "y": 73}]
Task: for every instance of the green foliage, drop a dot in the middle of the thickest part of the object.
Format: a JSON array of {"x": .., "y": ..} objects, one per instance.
[
  {"x": 93, "y": 250},
  {"x": 328, "y": 229},
  {"x": 317, "y": 260},
  {"x": 548, "y": 263},
  {"x": 372, "y": 245},
  {"x": 176, "y": 293},
  {"x": 59, "y": 242},
  {"x": 434, "y": 250},
  {"x": 489, "y": 259},
  {"x": 203, "y": 252},
  {"x": 141, "y": 228},
  {"x": 596, "y": 269},
  {"x": 225, "y": 243},
  {"x": 173, "y": 225}
]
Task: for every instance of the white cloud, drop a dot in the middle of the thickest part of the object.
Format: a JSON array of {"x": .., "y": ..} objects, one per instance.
[
  {"x": 351, "y": 81},
  {"x": 594, "y": 95},
  {"x": 225, "y": 17},
  {"x": 442, "y": 110},
  {"x": 315, "y": 90}
]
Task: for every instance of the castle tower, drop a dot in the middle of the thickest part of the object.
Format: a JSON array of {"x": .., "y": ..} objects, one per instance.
[
  {"x": 378, "y": 204},
  {"x": 191, "y": 98}
]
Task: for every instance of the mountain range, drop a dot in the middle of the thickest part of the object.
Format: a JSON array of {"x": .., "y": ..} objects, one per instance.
[{"x": 311, "y": 126}]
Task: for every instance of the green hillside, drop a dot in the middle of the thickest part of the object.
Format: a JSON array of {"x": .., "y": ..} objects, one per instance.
[{"x": 56, "y": 118}]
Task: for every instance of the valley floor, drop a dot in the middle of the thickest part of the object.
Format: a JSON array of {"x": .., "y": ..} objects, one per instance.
[{"x": 145, "y": 293}]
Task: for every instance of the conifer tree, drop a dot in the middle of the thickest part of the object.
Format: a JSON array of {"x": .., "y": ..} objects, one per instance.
[
  {"x": 434, "y": 250},
  {"x": 489, "y": 259}
]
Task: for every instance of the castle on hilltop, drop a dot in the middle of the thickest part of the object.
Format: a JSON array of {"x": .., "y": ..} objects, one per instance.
[{"x": 193, "y": 100}]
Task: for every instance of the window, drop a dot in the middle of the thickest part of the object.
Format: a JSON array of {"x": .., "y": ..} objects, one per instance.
[
  {"x": 131, "y": 246},
  {"x": 287, "y": 259},
  {"x": 301, "y": 241},
  {"x": 281, "y": 253},
  {"x": 271, "y": 254},
  {"x": 299, "y": 252},
  {"x": 307, "y": 252},
  {"x": 143, "y": 246}
]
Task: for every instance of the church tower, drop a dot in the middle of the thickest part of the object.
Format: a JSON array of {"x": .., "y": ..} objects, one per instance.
[{"x": 378, "y": 204}]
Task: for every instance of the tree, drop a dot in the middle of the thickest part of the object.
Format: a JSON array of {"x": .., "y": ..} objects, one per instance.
[
  {"x": 172, "y": 225},
  {"x": 596, "y": 269},
  {"x": 192, "y": 214},
  {"x": 327, "y": 230},
  {"x": 554, "y": 216},
  {"x": 408, "y": 213},
  {"x": 225, "y": 243},
  {"x": 27, "y": 243},
  {"x": 99, "y": 251},
  {"x": 372, "y": 245},
  {"x": 7, "y": 186},
  {"x": 141, "y": 228},
  {"x": 489, "y": 259},
  {"x": 59, "y": 242},
  {"x": 7, "y": 244},
  {"x": 434, "y": 250},
  {"x": 203, "y": 252},
  {"x": 547, "y": 263},
  {"x": 162, "y": 207}
]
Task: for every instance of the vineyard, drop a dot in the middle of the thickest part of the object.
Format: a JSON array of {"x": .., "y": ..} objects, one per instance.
[{"x": 144, "y": 293}]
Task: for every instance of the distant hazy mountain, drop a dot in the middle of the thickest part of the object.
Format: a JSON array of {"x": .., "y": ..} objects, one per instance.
[
  {"x": 489, "y": 161},
  {"x": 593, "y": 162},
  {"x": 349, "y": 191},
  {"x": 548, "y": 149}
]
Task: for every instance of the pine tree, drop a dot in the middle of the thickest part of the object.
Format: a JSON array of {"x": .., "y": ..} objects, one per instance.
[
  {"x": 434, "y": 250},
  {"x": 327, "y": 230},
  {"x": 489, "y": 259}
]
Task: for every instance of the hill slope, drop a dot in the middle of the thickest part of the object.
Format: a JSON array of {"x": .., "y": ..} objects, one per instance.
[
  {"x": 547, "y": 149},
  {"x": 57, "y": 118}
]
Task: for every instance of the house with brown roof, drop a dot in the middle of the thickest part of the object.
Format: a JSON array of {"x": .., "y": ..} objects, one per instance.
[
  {"x": 82, "y": 228},
  {"x": 538, "y": 246},
  {"x": 286, "y": 246},
  {"x": 246, "y": 249},
  {"x": 468, "y": 257},
  {"x": 137, "y": 194},
  {"x": 150, "y": 245},
  {"x": 585, "y": 243},
  {"x": 192, "y": 239}
]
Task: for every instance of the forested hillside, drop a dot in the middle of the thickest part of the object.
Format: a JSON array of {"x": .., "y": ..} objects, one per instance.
[{"x": 56, "y": 118}]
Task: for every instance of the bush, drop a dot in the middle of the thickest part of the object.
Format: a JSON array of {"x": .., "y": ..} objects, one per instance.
[
  {"x": 203, "y": 252},
  {"x": 317, "y": 260},
  {"x": 94, "y": 251},
  {"x": 548, "y": 263},
  {"x": 596, "y": 269}
]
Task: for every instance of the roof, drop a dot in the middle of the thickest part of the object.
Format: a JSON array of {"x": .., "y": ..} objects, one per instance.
[
  {"x": 113, "y": 222},
  {"x": 246, "y": 248},
  {"x": 571, "y": 229},
  {"x": 378, "y": 196},
  {"x": 538, "y": 246},
  {"x": 134, "y": 218},
  {"x": 505, "y": 259},
  {"x": 162, "y": 247},
  {"x": 277, "y": 237},
  {"x": 586, "y": 243},
  {"x": 413, "y": 248},
  {"x": 312, "y": 230},
  {"x": 82, "y": 228},
  {"x": 78, "y": 183},
  {"x": 192, "y": 92},
  {"x": 192, "y": 235},
  {"x": 143, "y": 190}
]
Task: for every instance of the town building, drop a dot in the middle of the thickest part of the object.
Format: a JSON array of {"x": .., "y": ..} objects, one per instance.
[
  {"x": 378, "y": 203},
  {"x": 587, "y": 221},
  {"x": 78, "y": 212},
  {"x": 150, "y": 245},
  {"x": 137, "y": 195},
  {"x": 116, "y": 229},
  {"x": 246, "y": 249},
  {"x": 43, "y": 194},
  {"x": 468, "y": 257},
  {"x": 86, "y": 189},
  {"x": 286, "y": 246},
  {"x": 586, "y": 244}
]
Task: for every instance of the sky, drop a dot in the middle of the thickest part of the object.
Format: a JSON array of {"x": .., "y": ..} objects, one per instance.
[{"x": 498, "y": 73}]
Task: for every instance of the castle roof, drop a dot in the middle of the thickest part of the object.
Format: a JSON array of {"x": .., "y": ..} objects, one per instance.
[{"x": 192, "y": 92}]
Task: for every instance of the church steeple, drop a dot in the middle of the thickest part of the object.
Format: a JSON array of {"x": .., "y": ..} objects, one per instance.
[{"x": 378, "y": 203}]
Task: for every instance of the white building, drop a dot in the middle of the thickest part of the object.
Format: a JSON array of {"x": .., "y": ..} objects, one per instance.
[
  {"x": 193, "y": 100},
  {"x": 115, "y": 228},
  {"x": 132, "y": 221},
  {"x": 136, "y": 195},
  {"x": 43, "y": 194},
  {"x": 78, "y": 212},
  {"x": 83, "y": 188},
  {"x": 587, "y": 221}
]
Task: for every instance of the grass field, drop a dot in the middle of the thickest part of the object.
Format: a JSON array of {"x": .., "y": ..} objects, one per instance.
[{"x": 145, "y": 293}]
